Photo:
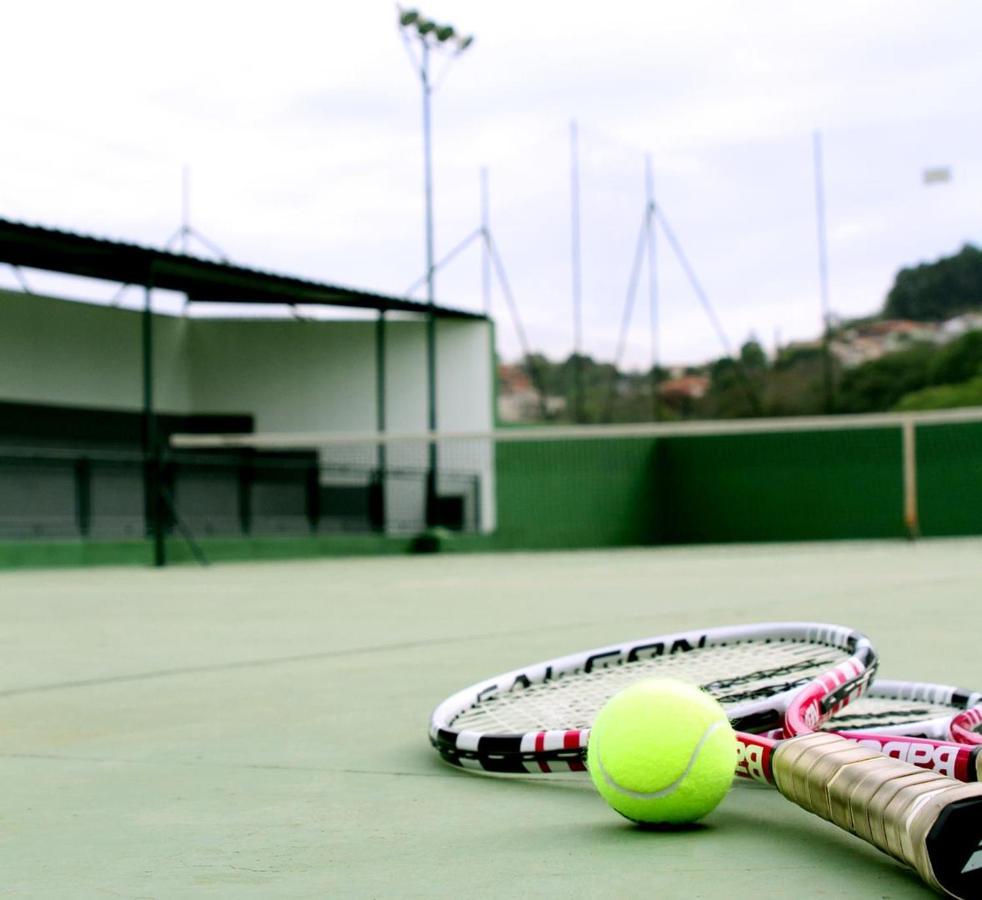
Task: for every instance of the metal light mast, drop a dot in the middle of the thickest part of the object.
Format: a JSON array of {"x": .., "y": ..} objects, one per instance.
[{"x": 429, "y": 37}]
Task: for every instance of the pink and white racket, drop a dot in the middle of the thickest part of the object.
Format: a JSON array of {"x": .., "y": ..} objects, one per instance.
[
  {"x": 788, "y": 676},
  {"x": 939, "y": 712}
]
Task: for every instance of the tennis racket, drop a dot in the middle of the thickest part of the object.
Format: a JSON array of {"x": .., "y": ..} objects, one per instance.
[
  {"x": 917, "y": 722},
  {"x": 915, "y": 709},
  {"x": 788, "y": 676}
]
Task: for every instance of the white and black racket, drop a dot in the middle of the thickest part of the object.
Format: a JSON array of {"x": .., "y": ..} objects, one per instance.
[{"x": 788, "y": 676}]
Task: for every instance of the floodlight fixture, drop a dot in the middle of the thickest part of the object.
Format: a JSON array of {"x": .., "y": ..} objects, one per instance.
[{"x": 426, "y": 30}]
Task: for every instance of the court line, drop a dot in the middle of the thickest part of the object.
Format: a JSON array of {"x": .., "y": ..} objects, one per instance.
[{"x": 271, "y": 661}]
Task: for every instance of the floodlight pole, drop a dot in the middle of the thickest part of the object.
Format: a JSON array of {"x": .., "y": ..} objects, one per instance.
[
  {"x": 431, "y": 458},
  {"x": 485, "y": 251},
  {"x": 152, "y": 462},
  {"x": 410, "y": 21},
  {"x": 185, "y": 208},
  {"x": 576, "y": 272},
  {"x": 823, "y": 272},
  {"x": 649, "y": 184}
]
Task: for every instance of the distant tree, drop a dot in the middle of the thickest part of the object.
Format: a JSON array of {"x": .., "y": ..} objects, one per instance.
[
  {"x": 960, "y": 360},
  {"x": 879, "y": 384},
  {"x": 796, "y": 386},
  {"x": 790, "y": 357},
  {"x": 722, "y": 372},
  {"x": 943, "y": 396},
  {"x": 734, "y": 387},
  {"x": 752, "y": 356},
  {"x": 938, "y": 290}
]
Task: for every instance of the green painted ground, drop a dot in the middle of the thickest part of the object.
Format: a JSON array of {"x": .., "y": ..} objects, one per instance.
[{"x": 259, "y": 730}]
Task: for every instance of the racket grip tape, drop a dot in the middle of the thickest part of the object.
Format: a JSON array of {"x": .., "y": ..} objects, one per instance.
[{"x": 927, "y": 821}]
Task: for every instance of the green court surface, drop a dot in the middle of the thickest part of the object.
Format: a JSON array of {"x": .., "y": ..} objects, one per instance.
[{"x": 259, "y": 730}]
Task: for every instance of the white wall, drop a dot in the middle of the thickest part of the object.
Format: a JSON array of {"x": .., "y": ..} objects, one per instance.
[
  {"x": 289, "y": 375},
  {"x": 320, "y": 376},
  {"x": 76, "y": 354},
  {"x": 465, "y": 389}
]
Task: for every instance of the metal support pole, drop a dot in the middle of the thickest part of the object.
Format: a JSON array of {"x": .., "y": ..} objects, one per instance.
[
  {"x": 377, "y": 508},
  {"x": 823, "y": 272},
  {"x": 576, "y": 273},
  {"x": 649, "y": 184},
  {"x": 442, "y": 36},
  {"x": 485, "y": 252},
  {"x": 83, "y": 495},
  {"x": 380, "y": 380},
  {"x": 185, "y": 207},
  {"x": 431, "y": 469},
  {"x": 909, "y": 444},
  {"x": 153, "y": 470}
]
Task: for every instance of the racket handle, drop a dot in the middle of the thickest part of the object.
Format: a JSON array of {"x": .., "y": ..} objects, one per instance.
[{"x": 930, "y": 822}]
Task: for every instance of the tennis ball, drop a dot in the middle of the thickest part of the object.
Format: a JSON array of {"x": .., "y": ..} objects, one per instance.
[{"x": 662, "y": 752}]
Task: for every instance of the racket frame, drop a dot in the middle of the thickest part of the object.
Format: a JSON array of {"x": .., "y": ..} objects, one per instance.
[{"x": 564, "y": 750}]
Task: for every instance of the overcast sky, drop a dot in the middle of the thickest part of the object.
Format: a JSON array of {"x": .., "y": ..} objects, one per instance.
[{"x": 300, "y": 122}]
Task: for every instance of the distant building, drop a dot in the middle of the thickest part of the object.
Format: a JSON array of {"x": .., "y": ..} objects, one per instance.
[
  {"x": 885, "y": 327},
  {"x": 856, "y": 351},
  {"x": 687, "y": 387},
  {"x": 873, "y": 340},
  {"x": 518, "y": 400},
  {"x": 959, "y": 325},
  {"x": 513, "y": 379}
]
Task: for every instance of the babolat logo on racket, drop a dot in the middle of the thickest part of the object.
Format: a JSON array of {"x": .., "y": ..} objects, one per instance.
[
  {"x": 925, "y": 755},
  {"x": 753, "y": 761},
  {"x": 954, "y": 847},
  {"x": 974, "y": 861}
]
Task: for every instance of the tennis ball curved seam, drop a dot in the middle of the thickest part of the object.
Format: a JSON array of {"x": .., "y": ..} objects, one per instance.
[{"x": 668, "y": 789}]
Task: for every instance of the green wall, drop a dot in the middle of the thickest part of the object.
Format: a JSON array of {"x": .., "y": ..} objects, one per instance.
[
  {"x": 781, "y": 487},
  {"x": 755, "y": 487},
  {"x": 576, "y": 493},
  {"x": 949, "y": 479}
]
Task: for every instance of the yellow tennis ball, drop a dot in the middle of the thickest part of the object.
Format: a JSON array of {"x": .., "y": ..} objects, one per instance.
[{"x": 662, "y": 752}]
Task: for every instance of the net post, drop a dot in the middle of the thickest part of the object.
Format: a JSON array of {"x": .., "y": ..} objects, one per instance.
[
  {"x": 909, "y": 436},
  {"x": 83, "y": 495}
]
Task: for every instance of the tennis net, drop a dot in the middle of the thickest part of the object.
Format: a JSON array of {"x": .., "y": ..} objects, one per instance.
[{"x": 883, "y": 475}]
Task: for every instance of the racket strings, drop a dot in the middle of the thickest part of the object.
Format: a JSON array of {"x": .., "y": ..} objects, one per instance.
[
  {"x": 872, "y": 712},
  {"x": 733, "y": 673}
]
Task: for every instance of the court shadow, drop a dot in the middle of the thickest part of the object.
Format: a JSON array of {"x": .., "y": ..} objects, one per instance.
[
  {"x": 779, "y": 844},
  {"x": 754, "y": 823}
]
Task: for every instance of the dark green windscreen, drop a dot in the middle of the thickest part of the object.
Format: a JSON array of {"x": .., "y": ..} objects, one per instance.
[
  {"x": 576, "y": 493},
  {"x": 949, "y": 479},
  {"x": 786, "y": 486}
]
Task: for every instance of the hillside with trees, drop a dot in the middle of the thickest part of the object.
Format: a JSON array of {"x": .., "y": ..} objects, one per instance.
[
  {"x": 924, "y": 366},
  {"x": 937, "y": 291}
]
